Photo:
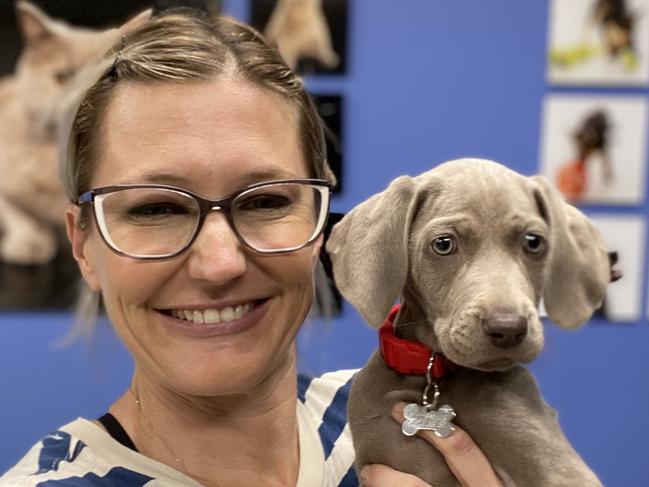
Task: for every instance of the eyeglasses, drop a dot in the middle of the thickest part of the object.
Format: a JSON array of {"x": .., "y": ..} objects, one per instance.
[{"x": 154, "y": 221}]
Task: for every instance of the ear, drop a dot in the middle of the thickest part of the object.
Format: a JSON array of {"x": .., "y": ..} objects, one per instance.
[
  {"x": 578, "y": 269},
  {"x": 78, "y": 238},
  {"x": 369, "y": 249},
  {"x": 34, "y": 24},
  {"x": 135, "y": 22},
  {"x": 316, "y": 248}
]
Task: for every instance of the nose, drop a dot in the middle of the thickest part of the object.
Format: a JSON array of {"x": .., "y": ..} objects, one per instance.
[
  {"x": 505, "y": 330},
  {"x": 217, "y": 255}
]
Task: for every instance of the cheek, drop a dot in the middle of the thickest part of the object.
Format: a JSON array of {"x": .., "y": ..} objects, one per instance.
[
  {"x": 127, "y": 280},
  {"x": 294, "y": 270},
  {"x": 434, "y": 278},
  {"x": 137, "y": 281},
  {"x": 294, "y": 275}
]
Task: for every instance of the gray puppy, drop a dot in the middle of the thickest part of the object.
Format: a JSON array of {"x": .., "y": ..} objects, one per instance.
[{"x": 470, "y": 248}]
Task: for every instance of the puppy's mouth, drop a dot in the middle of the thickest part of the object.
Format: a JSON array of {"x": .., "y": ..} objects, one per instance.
[{"x": 496, "y": 365}]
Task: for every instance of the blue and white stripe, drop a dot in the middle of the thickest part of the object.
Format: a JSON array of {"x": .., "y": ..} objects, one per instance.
[{"x": 326, "y": 399}]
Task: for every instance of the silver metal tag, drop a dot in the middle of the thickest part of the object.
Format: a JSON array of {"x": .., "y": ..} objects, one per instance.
[{"x": 423, "y": 418}]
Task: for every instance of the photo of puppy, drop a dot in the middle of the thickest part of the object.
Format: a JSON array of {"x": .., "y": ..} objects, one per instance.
[
  {"x": 593, "y": 147},
  {"x": 598, "y": 42}
]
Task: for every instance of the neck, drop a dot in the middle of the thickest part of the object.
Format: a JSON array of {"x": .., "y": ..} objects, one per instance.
[
  {"x": 412, "y": 323},
  {"x": 248, "y": 439}
]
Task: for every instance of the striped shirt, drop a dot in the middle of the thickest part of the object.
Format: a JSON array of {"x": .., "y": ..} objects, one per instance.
[{"x": 81, "y": 454}]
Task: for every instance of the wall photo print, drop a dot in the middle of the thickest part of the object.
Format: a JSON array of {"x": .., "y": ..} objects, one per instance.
[
  {"x": 624, "y": 234},
  {"x": 51, "y": 41},
  {"x": 598, "y": 42},
  {"x": 594, "y": 147},
  {"x": 310, "y": 34}
]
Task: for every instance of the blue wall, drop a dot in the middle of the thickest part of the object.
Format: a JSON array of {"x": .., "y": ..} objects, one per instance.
[{"x": 427, "y": 81}]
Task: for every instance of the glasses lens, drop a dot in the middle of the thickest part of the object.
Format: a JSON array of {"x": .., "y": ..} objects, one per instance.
[
  {"x": 147, "y": 222},
  {"x": 280, "y": 216}
]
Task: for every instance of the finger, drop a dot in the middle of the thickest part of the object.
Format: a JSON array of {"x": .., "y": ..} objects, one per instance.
[
  {"x": 464, "y": 458},
  {"x": 376, "y": 475}
]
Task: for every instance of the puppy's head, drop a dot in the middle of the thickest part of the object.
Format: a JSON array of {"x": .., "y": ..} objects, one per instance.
[{"x": 471, "y": 247}]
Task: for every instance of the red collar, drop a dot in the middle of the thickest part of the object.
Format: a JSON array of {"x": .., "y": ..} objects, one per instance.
[{"x": 408, "y": 357}]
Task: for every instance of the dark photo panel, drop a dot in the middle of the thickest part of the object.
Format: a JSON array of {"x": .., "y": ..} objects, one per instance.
[
  {"x": 335, "y": 14},
  {"x": 97, "y": 13},
  {"x": 36, "y": 287},
  {"x": 330, "y": 108},
  {"x": 52, "y": 285}
]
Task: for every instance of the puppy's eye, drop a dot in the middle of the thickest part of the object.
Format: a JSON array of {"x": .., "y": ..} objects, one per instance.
[
  {"x": 533, "y": 243},
  {"x": 444, "y": 245}
]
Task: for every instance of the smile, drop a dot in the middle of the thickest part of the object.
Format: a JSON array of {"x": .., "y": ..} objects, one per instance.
[{"x": 211, "y": 315}]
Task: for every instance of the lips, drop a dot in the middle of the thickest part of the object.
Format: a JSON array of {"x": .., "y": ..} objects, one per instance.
[{"x": 203, "y": 322}]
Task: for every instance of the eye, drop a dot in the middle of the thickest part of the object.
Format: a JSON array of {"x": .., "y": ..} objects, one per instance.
[
  {"x": 156, "y": 210},
  {"x": 266, "y": 202},
  {"x": 444, "y": 245},
  {"x": 533, "y": 243},
  {"x": 64, "y": 75}
]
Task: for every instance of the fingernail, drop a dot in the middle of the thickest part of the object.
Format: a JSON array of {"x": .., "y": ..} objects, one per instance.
[{"x": 397, "y": 409}]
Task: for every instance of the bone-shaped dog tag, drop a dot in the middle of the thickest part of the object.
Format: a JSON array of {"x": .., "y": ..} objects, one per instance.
[{"x": 420, "y": 418}]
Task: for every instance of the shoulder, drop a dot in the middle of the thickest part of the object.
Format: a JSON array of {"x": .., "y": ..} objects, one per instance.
[
  {"x": 326, "y": 386},
  {"x": 326, "y": 396},
  {"x": 325, "y": 400},
  {"x": 62, "y": 458}
]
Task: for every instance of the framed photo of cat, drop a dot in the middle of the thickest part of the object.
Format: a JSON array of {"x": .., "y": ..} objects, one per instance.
[{"x": 41, "y": 56}]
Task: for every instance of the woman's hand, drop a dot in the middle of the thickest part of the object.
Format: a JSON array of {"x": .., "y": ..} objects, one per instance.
[{"x": 464, "y": 458}]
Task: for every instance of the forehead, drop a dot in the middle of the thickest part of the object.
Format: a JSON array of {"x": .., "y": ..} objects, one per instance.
[
  {"x": 209, "y": 136},
  {"x": 481, "y": 199}
]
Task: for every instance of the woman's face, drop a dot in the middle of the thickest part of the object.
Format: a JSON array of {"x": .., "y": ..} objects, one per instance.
[{"x": 212, "y": 138}]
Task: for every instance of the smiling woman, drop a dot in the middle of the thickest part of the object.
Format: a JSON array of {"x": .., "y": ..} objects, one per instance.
[{"x": 199, "y": 191}]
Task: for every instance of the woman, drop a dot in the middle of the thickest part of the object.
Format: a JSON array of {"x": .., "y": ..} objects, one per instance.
[{"x": 198, "y": 176}]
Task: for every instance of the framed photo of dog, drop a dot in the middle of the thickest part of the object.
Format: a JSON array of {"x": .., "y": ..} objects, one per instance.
[
  {"x": 594, "y": 147},
  {"x": 598, "y": 42},
  {"x": 624, "y": 234}
]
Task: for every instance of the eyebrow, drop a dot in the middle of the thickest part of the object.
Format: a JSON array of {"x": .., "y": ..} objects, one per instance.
[
  {"x": 269, "y": 173},
  {"x": 175, "y": 179}
]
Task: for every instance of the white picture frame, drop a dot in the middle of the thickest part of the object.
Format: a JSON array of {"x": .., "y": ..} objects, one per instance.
[
  {"x": 624, "y": 234},
  {"x": 564, "y": 115},
  {"x": 580, "y": 46}
]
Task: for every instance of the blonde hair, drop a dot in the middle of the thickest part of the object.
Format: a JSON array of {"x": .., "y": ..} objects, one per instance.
[{"x": 180, "y": 46}]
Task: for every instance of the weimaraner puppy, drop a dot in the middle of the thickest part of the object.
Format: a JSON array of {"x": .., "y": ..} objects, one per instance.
[{"x": 470, "y": 248}]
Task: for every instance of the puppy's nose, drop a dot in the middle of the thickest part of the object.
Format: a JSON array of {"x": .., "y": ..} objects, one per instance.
[{"x": 505, "y": 330}]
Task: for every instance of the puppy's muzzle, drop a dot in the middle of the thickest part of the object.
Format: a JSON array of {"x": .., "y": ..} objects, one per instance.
[{"x": 505, "y": 330}]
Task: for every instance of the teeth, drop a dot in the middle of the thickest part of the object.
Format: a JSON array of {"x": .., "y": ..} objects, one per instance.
[
  {"x": 238, "y": 312},
  {"x": 227, "y": 314},
  {"x": 212, "y": 315}
]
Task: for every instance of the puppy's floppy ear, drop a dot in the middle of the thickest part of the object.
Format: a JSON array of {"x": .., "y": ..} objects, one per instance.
[
  {"x": 578, "y": 267},
  {"x": 369, "y": 249}
]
